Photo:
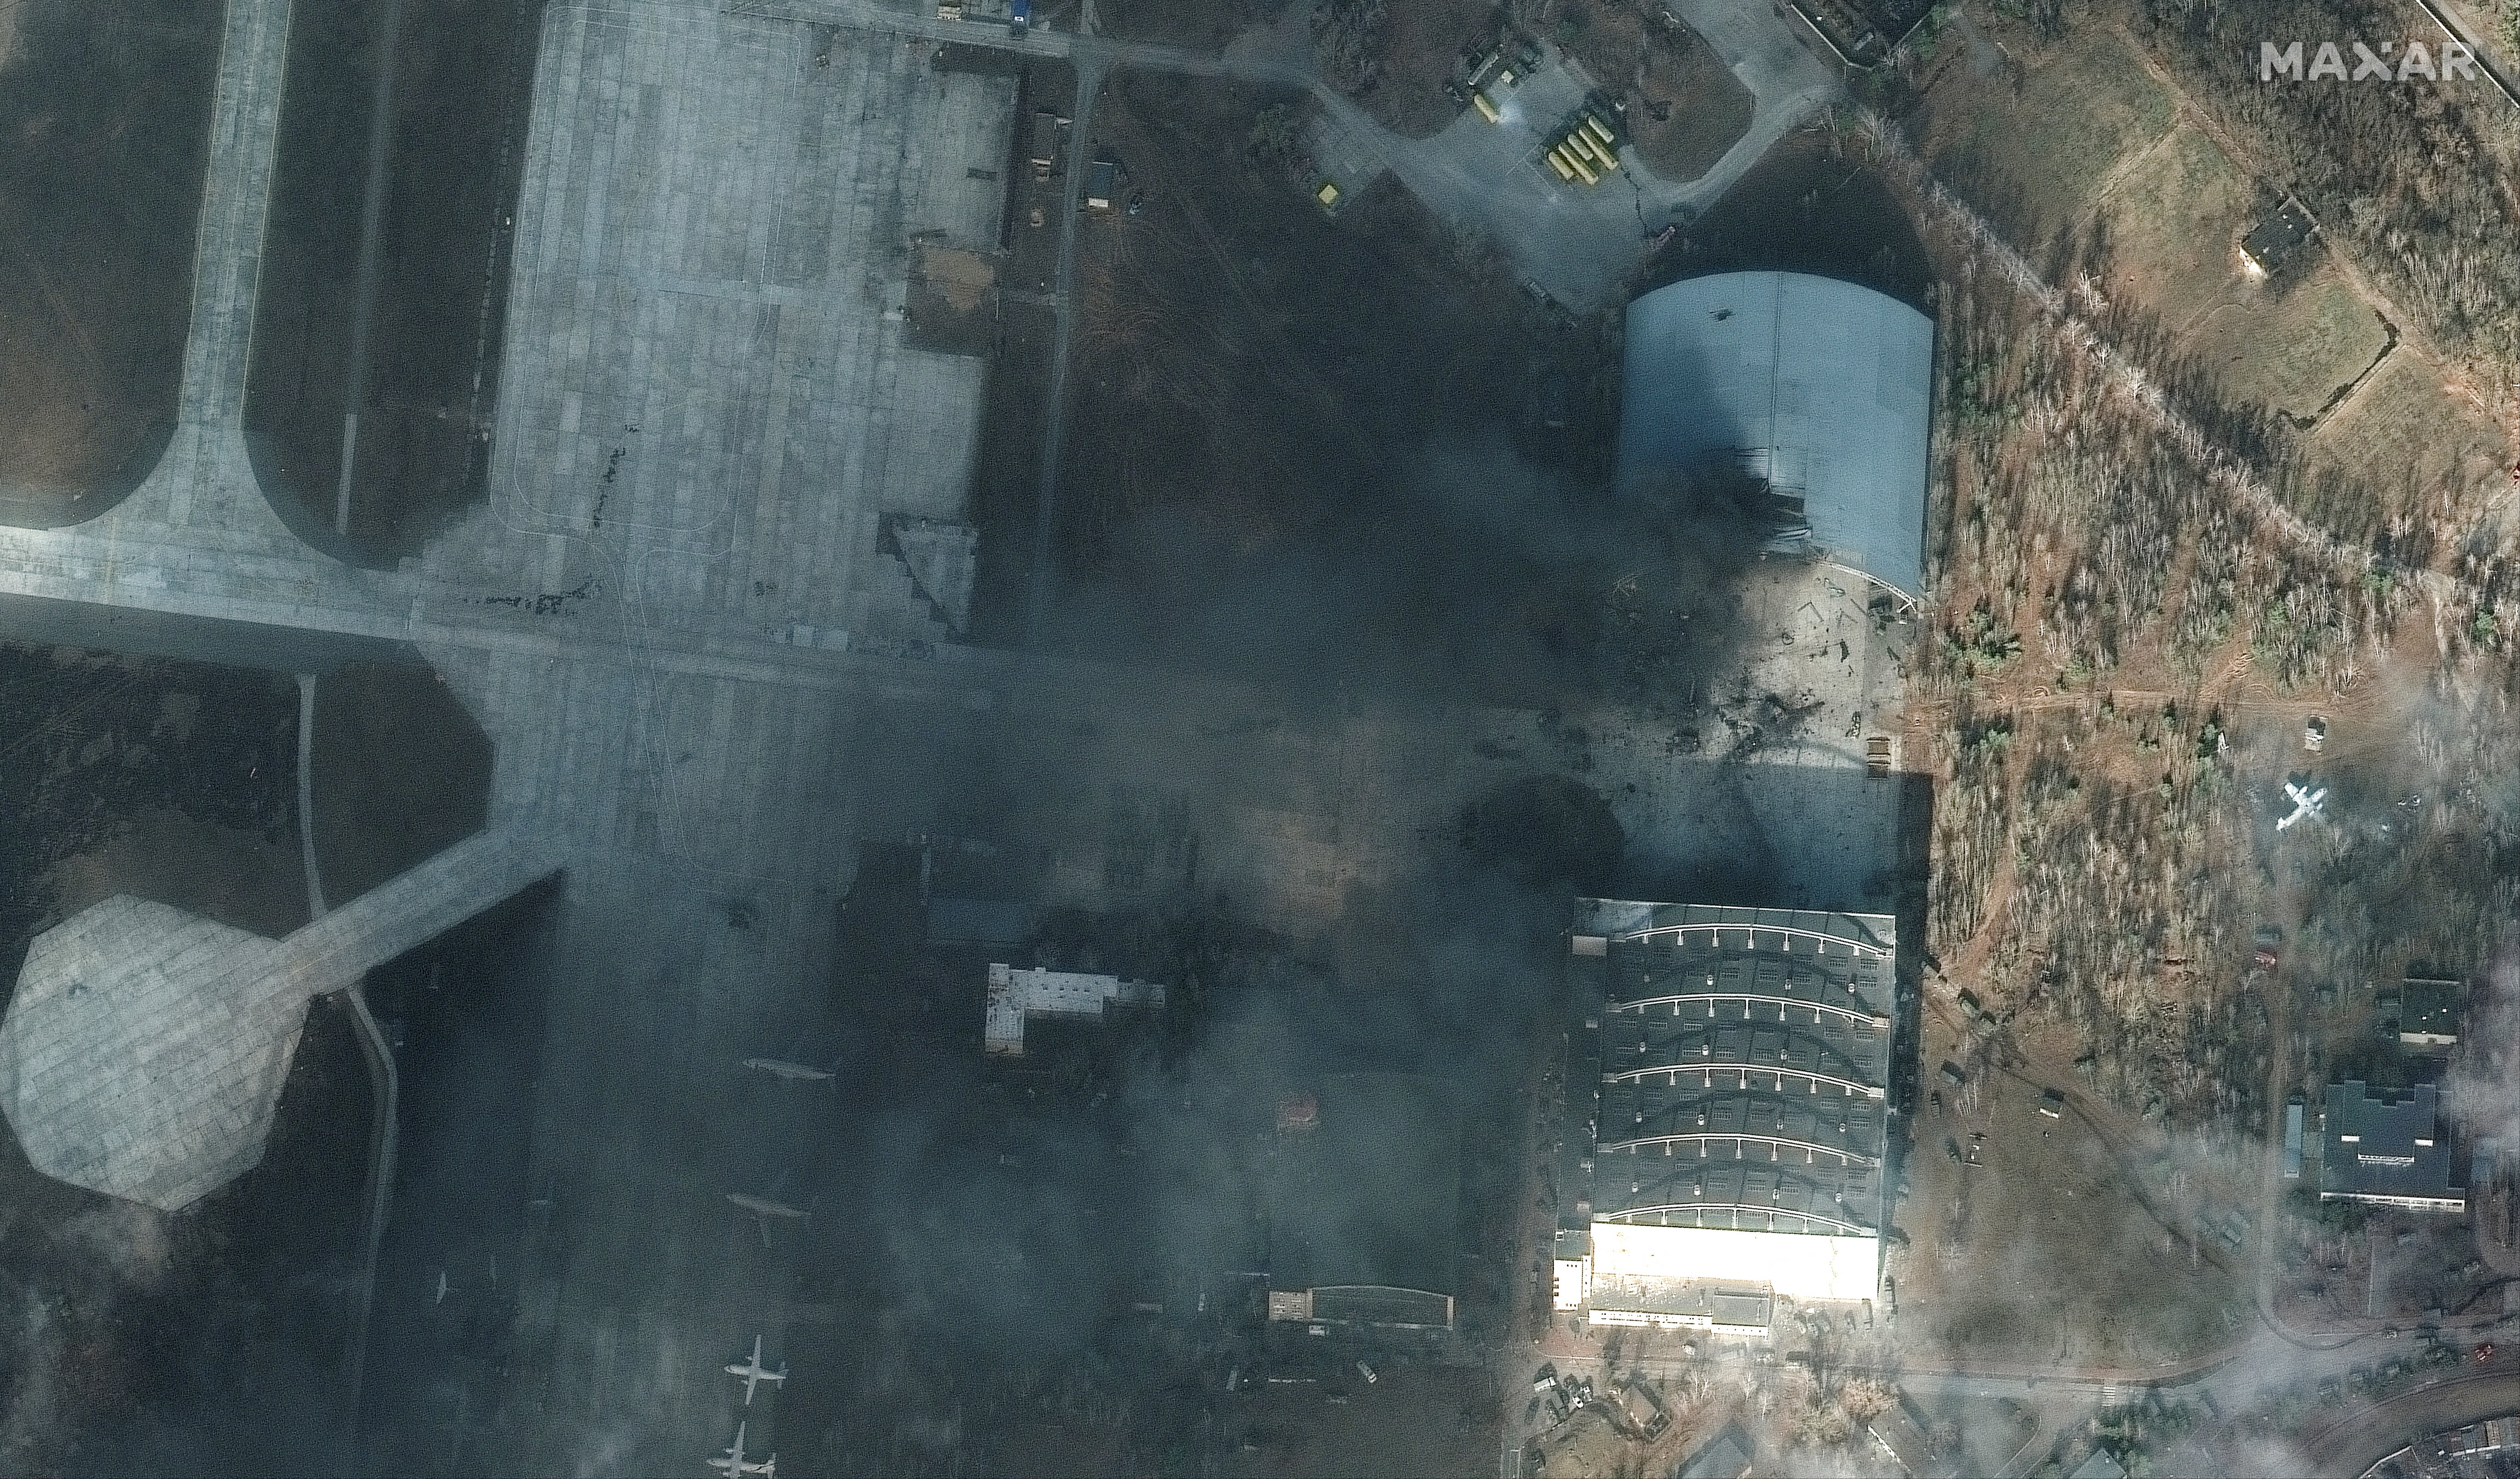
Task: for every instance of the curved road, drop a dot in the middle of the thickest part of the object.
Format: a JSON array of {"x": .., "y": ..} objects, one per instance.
[{"x": 2350, "y": 1445}]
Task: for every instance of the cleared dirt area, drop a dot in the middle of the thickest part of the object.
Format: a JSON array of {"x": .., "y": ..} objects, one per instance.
[
  {"x": 2410, "y": 446},
  {"x": 2297, "y": 347},
  {"x": 104, "y": 110},
  {"x": 1684, "y": 107},
  {"x": 1299, "y": 433},
  {"x": 462, "y": 70}
]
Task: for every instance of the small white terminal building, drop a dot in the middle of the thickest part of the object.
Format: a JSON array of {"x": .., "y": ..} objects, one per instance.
[
  {"x": 1727, "y": 1112},
  {"x": 1015, "y": 995}
]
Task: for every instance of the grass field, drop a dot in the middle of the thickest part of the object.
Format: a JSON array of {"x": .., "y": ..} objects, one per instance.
[
  {"x": 2407, "y": 442},
  {"x": 2172, "y": 221},
  {"x": 2044, "y": 1250},
  {"x": 2005, "y": 148},
  {"x": 2294, "y": 345}
]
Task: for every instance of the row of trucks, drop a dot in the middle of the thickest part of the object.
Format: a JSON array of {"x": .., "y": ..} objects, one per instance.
[
  {"x": 1587, "y": 149},
  {"x": 1486, "y": 74}
]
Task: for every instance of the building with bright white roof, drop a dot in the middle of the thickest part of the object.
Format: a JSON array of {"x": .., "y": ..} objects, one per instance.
[
  {"x": 1727, "y": 1112},
  {"x": 1015, "y": 995}
]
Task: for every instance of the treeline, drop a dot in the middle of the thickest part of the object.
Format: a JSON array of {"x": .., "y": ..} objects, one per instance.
[
  {"x": 2397, "y": 174},
  {"x": 1348, "y": 43}
]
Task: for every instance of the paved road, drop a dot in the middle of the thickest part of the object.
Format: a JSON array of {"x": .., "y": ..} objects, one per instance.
[{"x": 1053, "y": 441}]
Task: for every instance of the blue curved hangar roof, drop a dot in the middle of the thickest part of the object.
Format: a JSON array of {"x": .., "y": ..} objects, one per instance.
[{"x": 1817, "y": 390}]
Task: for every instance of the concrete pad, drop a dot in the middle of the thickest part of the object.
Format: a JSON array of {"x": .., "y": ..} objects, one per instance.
[{"x": 145, "y": 1048}]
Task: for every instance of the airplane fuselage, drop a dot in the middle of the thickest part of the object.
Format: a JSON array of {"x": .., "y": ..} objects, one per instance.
[{"x": 787, "y": 1070}]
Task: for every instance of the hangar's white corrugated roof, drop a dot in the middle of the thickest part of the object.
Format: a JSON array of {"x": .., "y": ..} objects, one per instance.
[
  {"x": 1796, "y": 1265},
  {"x": 1825, "y": 385}
]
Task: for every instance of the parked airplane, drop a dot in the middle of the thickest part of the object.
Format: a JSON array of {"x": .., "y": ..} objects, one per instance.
[
  {"x": 2306, "y": 802},
  {"x": 731, "y": 1464},
  {"x": 754, "y": 1373},
  {"x": 787, "y": 1070},
  {"x": 763, "y": 1209}
]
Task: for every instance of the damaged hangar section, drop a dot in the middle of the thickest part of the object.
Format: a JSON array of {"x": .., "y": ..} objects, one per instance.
[
  {"x": 1804, "y": 398},
  {"x": 1726, "y": 1113}
]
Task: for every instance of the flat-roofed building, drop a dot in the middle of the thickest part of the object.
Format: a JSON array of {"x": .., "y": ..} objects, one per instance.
[
  {"x": 1727, "y": 1112},
  {"x": 2392, "y": 1152},
  {"x": 1015, "y": 995},
  {"x": 2427, "y": 1011}
]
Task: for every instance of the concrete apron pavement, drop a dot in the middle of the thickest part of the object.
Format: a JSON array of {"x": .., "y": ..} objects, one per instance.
[{"x": 634, "y": 651}]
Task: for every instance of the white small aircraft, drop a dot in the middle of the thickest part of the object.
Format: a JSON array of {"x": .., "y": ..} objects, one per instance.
[
  {"x": 754, "y": 1373},
  {"x": 731, "y": 1464},
  {"x": 2306, "y": 802},
  {"x": 763, "y": 1209},
  {"x": 787, "y": 1070}
]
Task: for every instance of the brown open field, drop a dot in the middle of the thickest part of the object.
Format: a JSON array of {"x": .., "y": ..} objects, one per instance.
[
  {"x": 104, "y": 110},
  {"x": 2409, "y": 445},
  {"x": 2014, "y": 152},
  {"x": 1684, "y": 107},
  {"x": 251, "y": 880},
  {"x": 2049, "y": 1251},
  {"x": 2294, "y": 345},
  {"x": 2173, "y": 217},
  {"x": 2174, "y": 221}
]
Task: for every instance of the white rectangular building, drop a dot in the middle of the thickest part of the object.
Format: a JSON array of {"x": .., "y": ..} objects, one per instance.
[{"x": 1015, "y": 995}]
